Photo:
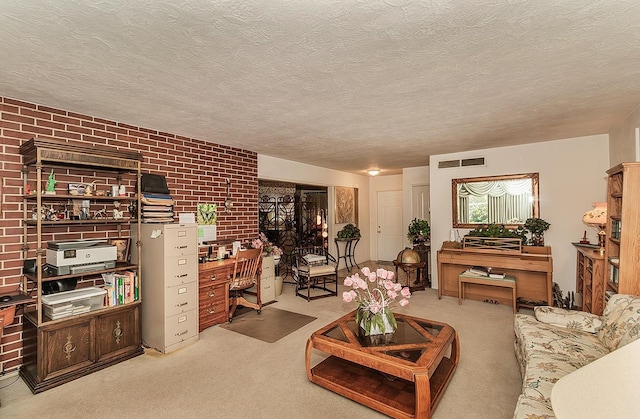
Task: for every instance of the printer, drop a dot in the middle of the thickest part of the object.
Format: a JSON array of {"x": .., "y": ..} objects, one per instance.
[{"x": 79, "y": 256}]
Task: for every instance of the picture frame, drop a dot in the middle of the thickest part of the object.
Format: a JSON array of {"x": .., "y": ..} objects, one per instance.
[
  {"x": 346, "y": 200},
  {"x": 122, "y": 248}
]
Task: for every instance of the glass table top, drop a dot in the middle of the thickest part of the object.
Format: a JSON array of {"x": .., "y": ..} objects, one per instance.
[{"x": 404, "y": 334}]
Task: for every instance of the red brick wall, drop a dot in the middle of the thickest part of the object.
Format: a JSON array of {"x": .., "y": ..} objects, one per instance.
[{"x": 196, "y": 171}]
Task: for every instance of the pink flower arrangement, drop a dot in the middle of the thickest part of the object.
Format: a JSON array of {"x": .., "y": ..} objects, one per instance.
[
  {"x": 268, "y": 248},
  {"x": 374, "y": 294}
]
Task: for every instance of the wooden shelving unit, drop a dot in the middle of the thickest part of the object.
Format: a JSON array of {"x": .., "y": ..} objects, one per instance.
[
  {"x": 61, "y": 350},
  {"x": 623, "y": 229},
  {"x": 590, "y": 278}
]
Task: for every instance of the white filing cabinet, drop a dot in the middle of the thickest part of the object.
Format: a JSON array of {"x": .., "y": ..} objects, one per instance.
[
  {"x": 267, "y": 282},
  {"x": 170, "y": 305}
]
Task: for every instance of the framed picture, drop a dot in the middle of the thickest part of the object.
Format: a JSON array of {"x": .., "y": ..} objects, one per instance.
[
  {"x": 346, "y": 205},
  {"x": 122, "y": 248}
]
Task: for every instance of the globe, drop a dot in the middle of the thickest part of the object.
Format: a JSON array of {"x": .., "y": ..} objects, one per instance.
[{"x": 408, "y": 256}]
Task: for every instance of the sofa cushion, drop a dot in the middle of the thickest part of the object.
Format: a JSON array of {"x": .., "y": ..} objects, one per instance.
[
  {"x": 578, "y": 320},
  {"x": 528, "y": 408},
  {"x": 543, "y": 371},
  {"x": 534, "y": 336},
  {"x": 621, "y": 317}
]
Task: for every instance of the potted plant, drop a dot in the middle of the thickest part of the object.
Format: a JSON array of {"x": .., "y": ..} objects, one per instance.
[
  {"x": 349, "y": 231},
  {"x": 418, "y": 231},
  {"x": 537, "y": 227}
]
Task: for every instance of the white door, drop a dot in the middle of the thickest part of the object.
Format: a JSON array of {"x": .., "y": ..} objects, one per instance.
[
  {"x": 420, "y": 203},
  {"x": 390, "y": 228}
]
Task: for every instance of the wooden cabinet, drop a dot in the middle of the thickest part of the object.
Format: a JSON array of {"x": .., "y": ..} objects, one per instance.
[
  {"x": 532, "y": 268},
  {"x": 623, "y": 229},
  {"x": 590, "y": 279},
  {"x": 213, "y": 292},
  {"x": 170, "y": 309},
  {"x": 61, "y": 350}
]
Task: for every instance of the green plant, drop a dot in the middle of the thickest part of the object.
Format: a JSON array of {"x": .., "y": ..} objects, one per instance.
[
  {"x": 418, "y": 229},
  {"x": 499, "y": 230},
  {"x": 536, "y": 225},
  {"x": 349, "y": 231}
]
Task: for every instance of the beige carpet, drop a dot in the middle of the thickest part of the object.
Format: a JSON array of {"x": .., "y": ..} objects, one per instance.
[
  {"x": 231, "y": 375},
  {"x": 271, "y": 325}
]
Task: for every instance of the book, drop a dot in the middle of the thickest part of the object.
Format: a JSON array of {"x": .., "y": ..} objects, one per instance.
[
  {"x": 479, "y": 270},
  {"x": 497, "y": 275}
]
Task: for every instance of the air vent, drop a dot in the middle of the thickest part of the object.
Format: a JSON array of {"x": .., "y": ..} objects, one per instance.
[
  {"x": 477, "y": 161},
  {"x": 448, "y": 163}
]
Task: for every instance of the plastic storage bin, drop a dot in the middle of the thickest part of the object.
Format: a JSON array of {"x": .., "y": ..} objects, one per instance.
[{"x": 69, "y": 303}]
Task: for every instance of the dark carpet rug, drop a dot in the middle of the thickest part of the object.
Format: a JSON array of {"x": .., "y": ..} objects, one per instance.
[{"x": 269, "y": 326}]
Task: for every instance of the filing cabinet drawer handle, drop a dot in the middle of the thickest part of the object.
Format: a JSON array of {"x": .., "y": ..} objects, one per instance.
[
  {"x": 182, "y": 333},
  {"x": 182, "y": 304},
  {"x": 182, "y": 276},
  {"x": 181, "y": 247},
  {"x": 211, "y": 293}
]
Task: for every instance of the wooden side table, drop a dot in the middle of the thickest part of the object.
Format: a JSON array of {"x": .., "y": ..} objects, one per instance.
[{"x": 409, "y": 268}]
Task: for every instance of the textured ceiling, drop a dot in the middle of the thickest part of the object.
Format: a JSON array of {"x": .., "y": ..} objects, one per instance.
[{"x": 348, "y": 84}]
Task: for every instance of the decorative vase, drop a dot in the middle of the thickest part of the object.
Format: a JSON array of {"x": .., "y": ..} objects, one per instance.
[
  {"x": 381, "y": 323},
  {"x": 537, "y": 239}
]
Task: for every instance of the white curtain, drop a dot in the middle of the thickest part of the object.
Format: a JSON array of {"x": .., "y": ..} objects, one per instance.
[{"x": 509, "y": 202}]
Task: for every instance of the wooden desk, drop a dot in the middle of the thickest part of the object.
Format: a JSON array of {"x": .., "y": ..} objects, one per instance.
[
  {"x": 213, "y": 292},
  {"x": 533, "y": 269}
]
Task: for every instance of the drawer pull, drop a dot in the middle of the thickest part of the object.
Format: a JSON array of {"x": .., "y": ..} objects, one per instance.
[
  {"x": 211, "y": 310},
  {"x": 181, "y": 247},
  {"x": 182, "y": 333},
  {"x": 117, "y": 332},
  {"x": 182, "y": 304},
  {"x": 213, "y": 277},
  {"x": 182, "y": 276},
  {"x": 211, "y": 293},
  {"x": 68, "y": 347}
]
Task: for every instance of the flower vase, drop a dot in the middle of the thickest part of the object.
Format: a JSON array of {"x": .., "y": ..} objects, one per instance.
[
  {"x": 381, "y": 323},
  {"x": 537, "y": 239}
]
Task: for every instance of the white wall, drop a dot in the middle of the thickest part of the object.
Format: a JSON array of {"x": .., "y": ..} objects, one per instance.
[
  {"x": 622, "y": 140},
  {"x": 572, "y": 176},
  {"x": 272, "y": 168}
]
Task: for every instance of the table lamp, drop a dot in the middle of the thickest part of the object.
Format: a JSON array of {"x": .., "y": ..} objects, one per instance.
[{"x": 597, "y": 218}]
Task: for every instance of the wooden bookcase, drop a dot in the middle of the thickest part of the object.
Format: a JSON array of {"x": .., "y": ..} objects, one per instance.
[
  {"x": 623, "y": 229},
  {"x": 590, "y": 278},
  {"x": 60, "y": 350}
]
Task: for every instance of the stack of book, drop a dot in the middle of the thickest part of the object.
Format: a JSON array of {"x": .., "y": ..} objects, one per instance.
[
  {"x": 121, "y": 287},
  {"x": 157, "y": 208},
  {"x": 484, "y": 271}
]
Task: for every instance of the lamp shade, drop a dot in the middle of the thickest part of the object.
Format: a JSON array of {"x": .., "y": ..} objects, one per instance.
[{"x": 597, "y": 216}]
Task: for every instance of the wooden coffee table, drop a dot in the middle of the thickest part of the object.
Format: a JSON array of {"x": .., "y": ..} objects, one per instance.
[{"x": 402, "y": 375}]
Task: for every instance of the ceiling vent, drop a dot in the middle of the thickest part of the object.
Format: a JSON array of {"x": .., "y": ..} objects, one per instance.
[
  {"x": 476, "y": 161},
  {"x": 448, "y": 163}
]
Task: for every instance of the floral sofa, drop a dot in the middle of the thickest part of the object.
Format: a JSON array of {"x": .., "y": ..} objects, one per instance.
[{"x": 555, "y": 342}]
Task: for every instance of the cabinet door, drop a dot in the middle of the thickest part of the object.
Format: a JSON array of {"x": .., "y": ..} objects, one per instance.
[
  {"x": 66, "y": 348},
  {"x": 118, "y": 332}
]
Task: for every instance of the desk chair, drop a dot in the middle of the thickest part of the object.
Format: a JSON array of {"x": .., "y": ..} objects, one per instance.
[
  {"x": 245, "y": 276},
  {"x": 314, "y": 267}
]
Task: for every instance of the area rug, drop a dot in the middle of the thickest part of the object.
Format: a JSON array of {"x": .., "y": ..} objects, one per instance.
[{"x": 269, "y": 326}]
